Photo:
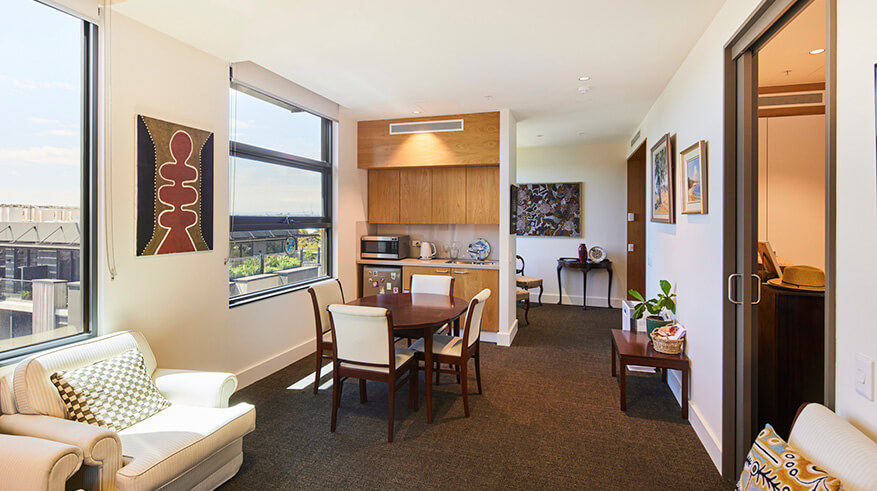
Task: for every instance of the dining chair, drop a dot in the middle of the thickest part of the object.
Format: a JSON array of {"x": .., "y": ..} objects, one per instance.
[
  {"x": 323, "y": 295},
  {"x": 527, "y": 282},
  {"x": 364, "y": 349},
  {"x": 456, "y": 351},
  {"x": 427, "y": 283}
]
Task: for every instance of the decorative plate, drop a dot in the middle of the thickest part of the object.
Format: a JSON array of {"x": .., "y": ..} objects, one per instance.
[
  {"x": 597, "y": 254},
  {"x": 479, "y": 249}
]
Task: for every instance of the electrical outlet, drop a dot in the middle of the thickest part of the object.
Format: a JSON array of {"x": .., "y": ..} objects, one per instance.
[
  {"x": 415, "y": 243},
  {"x": 865, "y": 376}
]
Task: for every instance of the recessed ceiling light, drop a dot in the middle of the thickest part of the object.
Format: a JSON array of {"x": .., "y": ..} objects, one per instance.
[
  {"x": 539, "y": 136},
  {"x": 817, "y": 51},
  {"x": 584, "y": 79},
  {"x": 415, "y": 112}
]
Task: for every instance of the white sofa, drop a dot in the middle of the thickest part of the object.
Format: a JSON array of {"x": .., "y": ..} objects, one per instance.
[
  {"x": 196, "y": 443},
  {"x": 835, "y": 446},
  {"x": 33, "y": 463}
]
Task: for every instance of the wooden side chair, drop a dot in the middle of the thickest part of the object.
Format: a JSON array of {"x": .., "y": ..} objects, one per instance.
[
  {"x": 435, "y": 284},
  {"x": 522, "y": 295},
  {"x": 364, "y": 349},
  {"x": 528, "y": 282},
  {"x": 322, "y": 296},
  {"x": 456, "y": 351}
]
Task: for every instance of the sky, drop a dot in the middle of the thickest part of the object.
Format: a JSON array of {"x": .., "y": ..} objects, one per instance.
[{"x": 40, "y": 100}]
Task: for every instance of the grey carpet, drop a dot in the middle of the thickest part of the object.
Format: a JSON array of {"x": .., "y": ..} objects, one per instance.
[{"x": 548, "y": 418}]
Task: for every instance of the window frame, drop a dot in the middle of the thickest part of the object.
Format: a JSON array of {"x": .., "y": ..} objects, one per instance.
[
  {"x": 89, "y": 147},
  {"x": 250, "y": 223}
]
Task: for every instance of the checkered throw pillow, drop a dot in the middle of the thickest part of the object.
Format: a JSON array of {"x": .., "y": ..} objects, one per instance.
[{"x": 114, "y": 393}]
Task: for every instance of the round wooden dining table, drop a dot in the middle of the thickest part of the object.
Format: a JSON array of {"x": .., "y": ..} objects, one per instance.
[{"x": 417, "y": 315}]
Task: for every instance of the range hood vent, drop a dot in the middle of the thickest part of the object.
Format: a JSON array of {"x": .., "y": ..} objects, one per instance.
[{"x": 426, "y": 127}]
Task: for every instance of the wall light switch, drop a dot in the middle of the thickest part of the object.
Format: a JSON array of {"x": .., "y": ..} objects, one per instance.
[
  {"x": 631, "y": 217},
  {"x": 865, "y": 376},
  {"x": 629, "y": 247}
]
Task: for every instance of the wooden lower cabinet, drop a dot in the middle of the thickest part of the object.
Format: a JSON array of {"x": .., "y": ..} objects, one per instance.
[{"x": 467, "y": 283}]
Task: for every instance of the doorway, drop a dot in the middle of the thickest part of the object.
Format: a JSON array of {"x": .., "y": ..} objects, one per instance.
[
  {"x": 636, "y": 220},
  {"x": 763, "y": 177}
]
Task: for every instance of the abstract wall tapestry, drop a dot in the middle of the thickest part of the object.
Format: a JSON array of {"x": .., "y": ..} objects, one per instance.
[
  {"x": 550, "y": 210},
  {"x": 174, "y": 188}
]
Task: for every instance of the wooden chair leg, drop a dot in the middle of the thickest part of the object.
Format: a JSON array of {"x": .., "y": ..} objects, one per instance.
[
  {"x": 336, "y": 396},
  {"x": 391, "y": 410},
  {"x": 363, "y": 396},
  {"x": 465, "y": 388},
  {"x": 478, "y": 369},
  {"x": 319, "y": 356},
  {"x": 541, "y": 288},
  {"x": 457, "y": 368},
  {"x": 437, "y": 367},
  {"x": 413, "y": 382},
  {"x": 527, "y": 310}
]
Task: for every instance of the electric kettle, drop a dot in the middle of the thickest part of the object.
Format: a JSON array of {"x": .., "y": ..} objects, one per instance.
[{"x": 427, "y": 250}]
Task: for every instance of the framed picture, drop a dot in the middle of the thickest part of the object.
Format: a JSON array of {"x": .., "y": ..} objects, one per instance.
[
  {"x": 769, "y": 259},
  {"x": 663, "y": 182},
  {"x": 550, "y": 210},
  {"x": 694, "y": 179},
  {"x": 513, "y": 213}
]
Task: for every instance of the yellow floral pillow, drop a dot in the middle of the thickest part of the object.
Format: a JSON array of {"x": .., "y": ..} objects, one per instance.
[{"x": 773, "y": 465}]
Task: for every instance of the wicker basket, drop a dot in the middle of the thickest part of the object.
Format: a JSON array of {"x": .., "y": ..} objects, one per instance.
[{"x": 667, "y": 346}]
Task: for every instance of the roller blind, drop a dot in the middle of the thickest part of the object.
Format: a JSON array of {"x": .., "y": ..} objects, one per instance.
[
  {"x": 87, "y": 9},
  {"x": 259, "y": 78}
]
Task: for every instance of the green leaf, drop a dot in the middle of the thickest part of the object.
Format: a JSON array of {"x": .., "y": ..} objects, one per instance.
[
  {"x": 635, "y": 294},
  {"x": 665, "y": 287},
  {"x": 638, "y": 311},
  {"x": 654, "y": 308},
  {"x": 671, "y": 305}
]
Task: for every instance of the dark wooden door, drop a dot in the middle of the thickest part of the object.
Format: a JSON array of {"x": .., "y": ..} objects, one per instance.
[{"x": 636, "y": 220}]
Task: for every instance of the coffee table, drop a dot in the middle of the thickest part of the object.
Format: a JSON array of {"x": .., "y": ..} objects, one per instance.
[{"x": 635, "y": 348}]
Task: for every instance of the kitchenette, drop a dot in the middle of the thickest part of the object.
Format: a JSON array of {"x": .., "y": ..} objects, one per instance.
[{"x": 433, "y": 205}]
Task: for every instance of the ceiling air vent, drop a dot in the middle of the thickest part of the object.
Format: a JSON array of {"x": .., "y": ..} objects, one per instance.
[{"x": 426, "y": 127}]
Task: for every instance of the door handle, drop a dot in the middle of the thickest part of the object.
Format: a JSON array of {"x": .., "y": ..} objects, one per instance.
[
  {"x": 758, "y": 289},
  {"x": 730, "y": 284}
]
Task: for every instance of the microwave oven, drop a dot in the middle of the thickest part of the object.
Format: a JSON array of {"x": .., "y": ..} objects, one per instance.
[{"x": 384, "y": 246}]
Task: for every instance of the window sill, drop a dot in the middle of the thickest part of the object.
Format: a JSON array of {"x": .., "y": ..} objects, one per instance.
[
  {"x": 273, "y": 292},
  {"x": 12, "y": 357}
]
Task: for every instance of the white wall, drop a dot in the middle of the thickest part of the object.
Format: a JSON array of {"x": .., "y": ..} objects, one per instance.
[
  {"x": 180, "y": 302},
  {"x": 689, "y": 253},
  {"x": 791, "y": 187},
  {"x": 602, "y": 170},
  {"x": 856, "y": 205}
]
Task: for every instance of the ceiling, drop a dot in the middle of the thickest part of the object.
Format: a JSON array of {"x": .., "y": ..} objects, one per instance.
[
  {"x": 790, "y": 50},
  {"x": 390, "y": 58}
]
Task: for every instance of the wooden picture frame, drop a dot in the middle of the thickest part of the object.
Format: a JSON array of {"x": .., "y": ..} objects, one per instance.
[
  {"x": 769, "y": 259},
  {"x": 663, "y": 177},
  {"x": 694, "y": 183}
]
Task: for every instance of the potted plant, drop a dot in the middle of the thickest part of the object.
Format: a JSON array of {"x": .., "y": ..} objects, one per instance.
[{"x": 664, "y": 300}]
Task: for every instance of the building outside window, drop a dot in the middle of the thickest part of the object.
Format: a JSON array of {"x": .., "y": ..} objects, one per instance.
[
  {"x": 280, "y": 196},
  {"x": 47, "y": 153}
]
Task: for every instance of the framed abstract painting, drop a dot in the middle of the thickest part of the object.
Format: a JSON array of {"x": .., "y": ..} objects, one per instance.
[
  {"x": 663, "y": 181},
  {"x": 550, "y": 210},
  {"x": 174, "y": 188},
  {"x": 694, "y": 179}
]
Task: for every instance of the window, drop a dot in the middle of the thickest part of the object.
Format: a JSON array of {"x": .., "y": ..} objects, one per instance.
[
  {"x": 281, "y": 196},
  {"x": 47, "y": 157}
]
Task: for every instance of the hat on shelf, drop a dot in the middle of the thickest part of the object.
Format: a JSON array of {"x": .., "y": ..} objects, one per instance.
[{"x": 801, "y": 278}]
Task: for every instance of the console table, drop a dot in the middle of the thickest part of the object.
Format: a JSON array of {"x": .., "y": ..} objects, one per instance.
[
  {"x": 635, "y": 348},
  {"x": 584, "y": 266}
]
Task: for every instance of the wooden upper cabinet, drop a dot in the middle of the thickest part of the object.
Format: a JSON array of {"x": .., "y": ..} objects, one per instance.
[
  {"x": 448, "y": 195},
  {"x": 482, "y": 195},
  {"x": 415, "y": 195},
  {"x": 383, "y": 196},
  {"x": 477, "y": 144}
]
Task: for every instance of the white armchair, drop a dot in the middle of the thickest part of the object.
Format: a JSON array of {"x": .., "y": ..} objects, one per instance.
[
  {"x": 195, "y": 443},
  {"x": 33, "y": 463}
]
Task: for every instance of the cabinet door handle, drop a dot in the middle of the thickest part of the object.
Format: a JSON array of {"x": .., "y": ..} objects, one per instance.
[
  {"x": 441, "y": 271},
  {"x": 461, "y": 272}
]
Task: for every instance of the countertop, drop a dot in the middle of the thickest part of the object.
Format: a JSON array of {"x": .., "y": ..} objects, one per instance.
[{"x": 413, "y": 261}]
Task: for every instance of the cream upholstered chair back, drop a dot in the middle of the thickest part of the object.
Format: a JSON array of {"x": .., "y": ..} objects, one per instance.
[
  {"x": 473, "y": 318},
  {"x": 324, "y": 295},
  {"x": 7, "y": 397},
  {"x": 427, "y": 283},
  {"x": 34, "y": 391},
  {"x": 362, "y": 334},
  {"x": 835, "y": 446}
]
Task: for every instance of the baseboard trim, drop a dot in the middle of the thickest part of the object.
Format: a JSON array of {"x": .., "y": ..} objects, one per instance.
[
  {"x": 551, "y": 298},
  {"x": 267, "y": 367},
  {"x": 506, "y": 338},
  {"x": 488, "y": 336},
  {"x": 704, "y": 433}
]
